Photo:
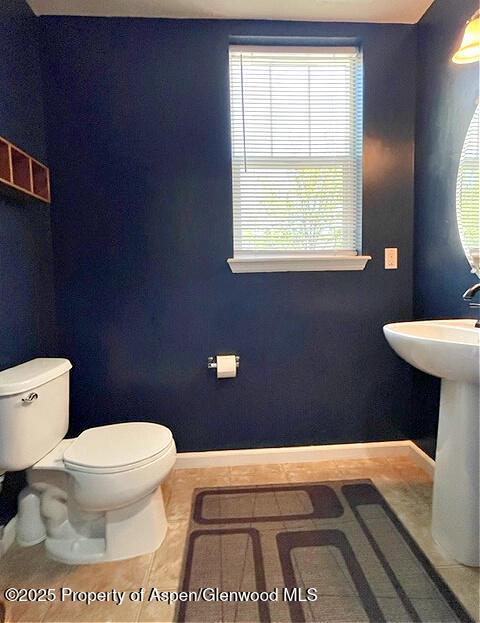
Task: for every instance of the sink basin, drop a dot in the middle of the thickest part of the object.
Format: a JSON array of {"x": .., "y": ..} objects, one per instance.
[{"x": 450, "y": 350}]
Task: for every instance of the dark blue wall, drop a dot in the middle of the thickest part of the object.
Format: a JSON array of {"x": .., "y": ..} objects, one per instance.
[
  {"x": 27, "y": 327},
  {"x": 138, "y": 136},
  {"x": 447, "y": 95}
]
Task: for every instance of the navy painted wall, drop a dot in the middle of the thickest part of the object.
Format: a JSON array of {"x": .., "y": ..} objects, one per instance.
[
  {"x": 138, "y": 135},
  {"x": 447, "y": 95},
  {"x": 27, "y": 327}
]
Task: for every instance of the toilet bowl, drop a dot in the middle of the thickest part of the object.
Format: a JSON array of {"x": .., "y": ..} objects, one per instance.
[
  {"x": 106, "y": 480},
  {"x": 95, "y": 498}
]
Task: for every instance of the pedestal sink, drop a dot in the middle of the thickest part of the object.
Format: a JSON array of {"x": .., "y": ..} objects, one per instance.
[{"x": 449, "y": 349}]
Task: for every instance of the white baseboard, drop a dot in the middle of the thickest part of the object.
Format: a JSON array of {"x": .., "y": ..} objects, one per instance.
[
  {"x": 422, "y": 459},
  {"x": 7, "y": 536},
  {"x": 300, "y": 454}
]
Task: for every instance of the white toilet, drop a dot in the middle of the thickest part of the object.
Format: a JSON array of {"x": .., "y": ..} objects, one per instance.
[{"x": 95, "y": 498}]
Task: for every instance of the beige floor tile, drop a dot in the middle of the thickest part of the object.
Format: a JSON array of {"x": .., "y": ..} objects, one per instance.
[
  {"x": 24, "y": 567},
  {"x": 182, "y": 484},
  {"x": 402, "y": 459},
  {"x": 423, "y": 490},
  {"x": 465, "y": 583},
  {"x": 413, "y": 473},
  {"x": 166, "y": 488},
  {"x": 419, "y": 481},
  {"x": 257, "y": 474},
  {"x": 400, "y": 496},
  {"x": 314, "y": 471},
  {"x": 180, "y": 503},
  {"x": 416, "y": 516},
  {"x": 201, "y": 477},
  {"x": 127, "y": 575},
  {"x": 28, "y": 566},
  {"x": 165, "y": 574},
  {"x": 396, "y": 490},
  {"x": 419, "y": 528},
  {"x": 183, "y": 478},
  {"x": 364, "y": 468},
  {"x": 167, "y": 562},
  {"x": 157, "y": 612}
]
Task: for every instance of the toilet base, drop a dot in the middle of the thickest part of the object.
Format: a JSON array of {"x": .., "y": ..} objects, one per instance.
[
  {"x": 130, "y": 531},
  {"x": 86, "y": 538}
]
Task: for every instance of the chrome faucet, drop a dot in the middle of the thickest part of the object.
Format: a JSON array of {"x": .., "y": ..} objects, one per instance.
[{"x": 468, "y": 296}]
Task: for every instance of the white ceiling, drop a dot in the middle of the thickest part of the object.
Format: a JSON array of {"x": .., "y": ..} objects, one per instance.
[{"x": 381, "y": 11}]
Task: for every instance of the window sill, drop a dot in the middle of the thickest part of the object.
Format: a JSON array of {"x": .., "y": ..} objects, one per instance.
[{"x": 297, "y": 264}]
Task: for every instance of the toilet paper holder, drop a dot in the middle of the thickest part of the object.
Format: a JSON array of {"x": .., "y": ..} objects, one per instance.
[{"x": 212, "y": 361}]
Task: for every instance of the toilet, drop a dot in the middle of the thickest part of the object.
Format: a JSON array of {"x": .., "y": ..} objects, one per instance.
[{"x": 94, "y": 498}]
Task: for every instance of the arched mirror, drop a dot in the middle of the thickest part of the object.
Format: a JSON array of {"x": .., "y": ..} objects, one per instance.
[{"x": 468, "y": 195}]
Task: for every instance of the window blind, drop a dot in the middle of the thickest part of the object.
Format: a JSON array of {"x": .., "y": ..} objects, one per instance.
[
  {"x": 468, "y": 192},
  {"x": 296, "y": 135}
]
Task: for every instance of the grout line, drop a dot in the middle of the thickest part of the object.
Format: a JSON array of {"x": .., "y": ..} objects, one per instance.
[
  {"x": 146, "y": 577},
  {"x": 64, "y": 582}
]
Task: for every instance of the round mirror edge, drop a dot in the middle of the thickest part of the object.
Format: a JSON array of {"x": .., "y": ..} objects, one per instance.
[{"x": 471, "y": 249}]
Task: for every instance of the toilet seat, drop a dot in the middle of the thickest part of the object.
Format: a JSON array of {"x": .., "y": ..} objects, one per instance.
[{"x": 117, "y": 447}]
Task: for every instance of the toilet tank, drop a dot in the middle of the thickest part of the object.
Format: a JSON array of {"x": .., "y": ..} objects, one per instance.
[{"x": 34, "y": 399}]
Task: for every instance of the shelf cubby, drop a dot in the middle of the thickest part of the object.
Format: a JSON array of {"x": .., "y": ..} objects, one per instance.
[
  {"x": 5, "y": 169},
  {"x": 18, "y": 170},
  {"x": 40, "y": 180},
  {"x": 22, "y": 178}
]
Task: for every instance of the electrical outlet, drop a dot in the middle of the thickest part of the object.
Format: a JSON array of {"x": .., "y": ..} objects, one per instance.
[{"x": 391, "y": 258}]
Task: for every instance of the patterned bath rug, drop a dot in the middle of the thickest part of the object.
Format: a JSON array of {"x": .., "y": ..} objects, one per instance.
[{"x": 322, "y": 552}]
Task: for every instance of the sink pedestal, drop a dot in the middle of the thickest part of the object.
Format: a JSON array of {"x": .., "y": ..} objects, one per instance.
[
  {"x": 450, "y": 350},
  {"x": 456, "y": 499}
]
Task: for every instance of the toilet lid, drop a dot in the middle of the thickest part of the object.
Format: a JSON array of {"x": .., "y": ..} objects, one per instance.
[{"x": 117, "y": 445}]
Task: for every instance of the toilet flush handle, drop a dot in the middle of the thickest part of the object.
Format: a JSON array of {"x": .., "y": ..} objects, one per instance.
[{"x": 30, "y": 398}]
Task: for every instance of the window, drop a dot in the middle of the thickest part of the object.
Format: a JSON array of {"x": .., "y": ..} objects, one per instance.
[
  {"x": 296, "y": 133},
  {"x": 468, "y": 194}
]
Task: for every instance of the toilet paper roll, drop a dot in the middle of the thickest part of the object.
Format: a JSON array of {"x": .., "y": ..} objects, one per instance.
[{"x": 226, "y": 366}]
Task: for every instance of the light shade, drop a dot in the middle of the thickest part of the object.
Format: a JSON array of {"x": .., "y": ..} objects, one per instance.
[{"x": 469, "y": 51}]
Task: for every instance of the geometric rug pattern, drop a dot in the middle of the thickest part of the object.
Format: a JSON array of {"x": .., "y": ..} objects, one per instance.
[{"x": 321, "y": 552}]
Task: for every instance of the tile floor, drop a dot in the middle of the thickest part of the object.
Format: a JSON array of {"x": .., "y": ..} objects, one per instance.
[{"x": 405, "y": 486}]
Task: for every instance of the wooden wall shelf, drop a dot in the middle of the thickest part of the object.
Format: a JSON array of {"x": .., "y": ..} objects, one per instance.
[{"x": 20, "y": 171}]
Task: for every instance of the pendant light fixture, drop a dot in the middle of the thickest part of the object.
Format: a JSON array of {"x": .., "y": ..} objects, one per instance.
[{"x": 469, "y": 50}]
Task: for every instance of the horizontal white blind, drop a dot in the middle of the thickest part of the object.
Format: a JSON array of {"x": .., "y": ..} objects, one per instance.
[
  {"x": 468, "y": 195},
  {"x": 296, "y": 131}
]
